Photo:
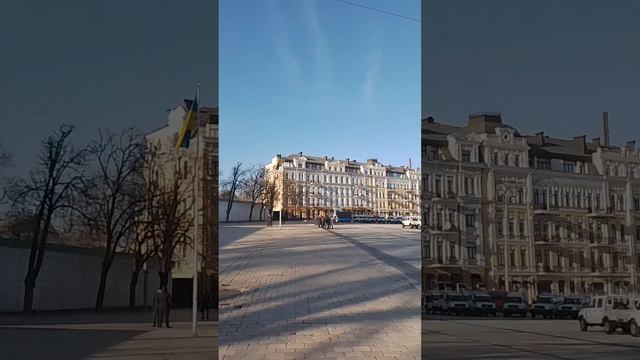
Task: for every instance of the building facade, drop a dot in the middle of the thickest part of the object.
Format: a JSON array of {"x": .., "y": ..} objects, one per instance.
[
  {"x": 528, "y": 212},
  {"x": 312, "y": 186},
  {"x": 201, "y": 156}
]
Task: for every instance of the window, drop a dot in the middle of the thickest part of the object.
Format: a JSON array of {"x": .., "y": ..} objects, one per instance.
[
  {"x": 452, "y": 250},
  {"x": 516, "y": 160},
  {"x": 427, "y": 249},
  {"x": 495, "y": 158},
  {"x": 472, "y": 252},
  {"x": 466, "y": 155},
  {"x": 506, "y": 159},
  {"x": 569, "y": 167},
  {"x": 543, "y": 164},
  {"x": 470, "y": 220},
  {"x": 500, "y": 256},
  {"x": 523, "y": 257}
]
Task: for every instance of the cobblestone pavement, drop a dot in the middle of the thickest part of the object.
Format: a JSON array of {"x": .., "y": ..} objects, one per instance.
[
  {"x": 112, "y": 336},
  {"x": 522, "y": 339},
  {"x": 312, "y": 293}
]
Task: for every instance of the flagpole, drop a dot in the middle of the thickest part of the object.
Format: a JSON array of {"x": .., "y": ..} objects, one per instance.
[{"x": 194, "y": 310}]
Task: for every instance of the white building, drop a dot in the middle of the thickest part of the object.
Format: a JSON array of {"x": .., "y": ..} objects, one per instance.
[
  {"x": 186, "y": 161},
  {"x": 313, "y": 186}
]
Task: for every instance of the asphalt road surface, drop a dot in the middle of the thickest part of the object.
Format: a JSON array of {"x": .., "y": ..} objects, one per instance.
[{"x": 517, "y": 338}]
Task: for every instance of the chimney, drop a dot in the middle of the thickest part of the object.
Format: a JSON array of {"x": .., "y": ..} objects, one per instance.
[
  {"x": 409, "y": 163},
  {"x": 596, "y": 140},
  {"x": 539, "y": 138},
  {"x": 631, "y": 145},
  {"x": 430, "y": 119},
  {"x": 605, "y": 127},
  {"x": 580, "y": 143}
]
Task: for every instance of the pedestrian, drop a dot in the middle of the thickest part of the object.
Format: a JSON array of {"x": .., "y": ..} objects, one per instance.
[
  {"x": 269, "y": 219},
  {"x": 204, "y": 304},
  {"x": 157, "y": 312},
  {"x": 330, "y": 224},
  {"x": 169, "y": 303},
  {"x": 322, "y": 221}
]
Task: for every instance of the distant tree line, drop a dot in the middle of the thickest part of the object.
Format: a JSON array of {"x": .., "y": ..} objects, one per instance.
[{"x": 253, "y": 184}]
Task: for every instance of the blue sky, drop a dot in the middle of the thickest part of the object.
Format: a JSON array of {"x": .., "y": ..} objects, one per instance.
[
  {"x": 546, "y": 65},
  {"x": 321, "y": 77}
]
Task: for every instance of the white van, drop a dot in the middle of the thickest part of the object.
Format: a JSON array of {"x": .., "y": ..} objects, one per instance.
[
  {"x": 609, "y": 311},
  {"x": 413, "y": 222}
]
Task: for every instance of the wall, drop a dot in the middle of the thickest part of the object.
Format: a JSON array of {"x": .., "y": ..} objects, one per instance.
[
  {"x": 239, "y": 211},
  {"x": 68, "y": 278}
]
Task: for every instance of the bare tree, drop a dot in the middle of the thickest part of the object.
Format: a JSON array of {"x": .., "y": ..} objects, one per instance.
[
  {"x": 57, "y": 174},
  {"x": 174, "y": 211},
  {"x": 253, "y": 185},
  {"x": 145, "y": 243},
  {"x": 110, "y": 198},
  {"x": 271, "y": 191},
  {"x": 232, "y": 185}
]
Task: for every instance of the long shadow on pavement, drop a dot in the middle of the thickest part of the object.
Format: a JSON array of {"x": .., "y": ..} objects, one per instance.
[{"x": 54, "y": 344}]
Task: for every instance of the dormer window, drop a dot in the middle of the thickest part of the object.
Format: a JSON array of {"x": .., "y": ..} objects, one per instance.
[{"x": 466, "y": 155}]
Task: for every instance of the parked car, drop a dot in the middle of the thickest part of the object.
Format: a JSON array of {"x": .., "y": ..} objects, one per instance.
[
  {"x": 498, "y": 297},
  {"x": 413, "y": 222},
  {"x": 547, "y": 305},
  {"x": 428, "y": 302},
  {"x": 439, "y": 303},
  {"x": 515, "y": 304},
  {"x": 609, "y": 311},
  {"x": 572, "y": 305},
  {"x": 482, "y": 304},
  {"x": 634, "y": 318},
  {"x": 457, "y": 303}
]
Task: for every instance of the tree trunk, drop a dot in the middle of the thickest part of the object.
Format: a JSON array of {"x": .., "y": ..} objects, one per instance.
[
  {"x": 251, "y": 211},
  {"x": 261, "y": 211},
  {"x": 29, "y": 285},
  {"x": 106, "y": 265},
  {"x": 132, "y": 287},
  {"x": 229, "y": 206}
]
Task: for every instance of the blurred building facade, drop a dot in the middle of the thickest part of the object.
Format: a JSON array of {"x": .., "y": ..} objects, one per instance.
[{"x": 546, "y": 214}]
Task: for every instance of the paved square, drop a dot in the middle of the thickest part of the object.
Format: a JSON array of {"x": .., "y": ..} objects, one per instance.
[
  {"x": 480, "y": 338},
  {"x": 352, "y": 292}
]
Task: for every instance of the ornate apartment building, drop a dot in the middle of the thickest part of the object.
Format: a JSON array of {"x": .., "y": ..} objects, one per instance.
[
  {"x": 312, "y": 186},
  {"x": 544, "y": 214}
]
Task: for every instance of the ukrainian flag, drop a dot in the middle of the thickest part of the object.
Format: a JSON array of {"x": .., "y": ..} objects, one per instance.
[{"x": 189, "y": 124}]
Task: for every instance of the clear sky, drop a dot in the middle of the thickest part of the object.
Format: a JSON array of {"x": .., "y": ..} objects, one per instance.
[
  {"x": 319, "y": 76},
  {"x": 100, "y": 64},
  {"x": 546, "y": 65}
]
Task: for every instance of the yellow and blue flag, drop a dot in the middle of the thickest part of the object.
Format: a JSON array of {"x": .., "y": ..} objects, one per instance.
[{"x": 189, "y": 124}]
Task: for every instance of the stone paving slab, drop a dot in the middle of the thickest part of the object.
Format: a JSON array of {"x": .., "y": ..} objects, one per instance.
[{"x": 307, "y": 293}]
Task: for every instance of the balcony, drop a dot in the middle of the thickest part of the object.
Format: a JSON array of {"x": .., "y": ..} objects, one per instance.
[
  {"x": 601, "y": 214},
  {"x": 544, "y": 209}
]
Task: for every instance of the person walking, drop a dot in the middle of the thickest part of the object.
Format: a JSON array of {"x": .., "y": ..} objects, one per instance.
[
  {"x": 168, "y": 303},
  {"x": 157, "y": 312},
  {"x": 269, "y": 219},
  {"x": 330, "y": 225},
  {"x": 204, "y": 304}
]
